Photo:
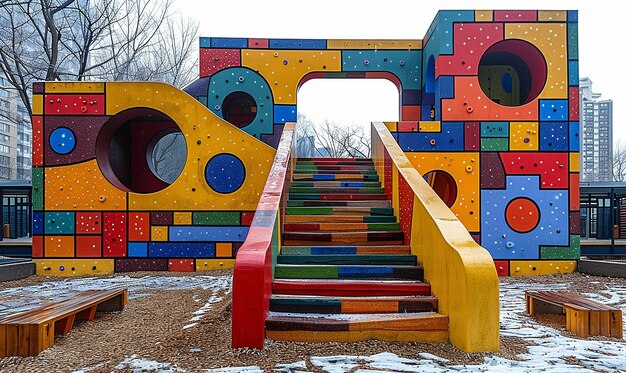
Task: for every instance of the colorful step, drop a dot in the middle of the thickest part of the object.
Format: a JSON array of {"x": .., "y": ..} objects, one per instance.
[
  {"x": 330, "y": 177},
  {"x": 335, "y": 190},
  {"x": 337, "y": 184},
  {"x": 340, "y": 210},
  {"x": 367, "y": 272},
  {"x": 350, "y": 288},
  {"x": 346, "y": 250},
  {"x": 338, "y": 227},
  {"x": 339, "y": 218},
  {"x": 362, "y": 203},
  {"x": 348, "y": 259},
  {"x": 352, "y": 305},
  {"x": 337, "y": 196},
  {"x": 343, "y": 238}
]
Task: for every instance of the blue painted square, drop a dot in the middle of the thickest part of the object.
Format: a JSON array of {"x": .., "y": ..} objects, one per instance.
[
  {"x": 323, "y": 177},
  {"x": 237, "y": 43},
  {"x": 574, "y": 137},
  {"x": 572, "y": 16},
  {"x": 38, "y": 223},
  {"x": 553, "y": 110},
  {"x": 395, "y": 135},
  {"x": 205, "y": 234},
  {"x": 494, "y": 129},
  {"x": 553, "y": 136},
  {"x": 411, "y": 96},
  {"x": 297, "y": 43},
  {"x": 205, "y": 42},
  {"x": 59, "y": 223},
  {"x": 449, "y": 139},
  {"x": 335, "y": 250},
  {"x": 181, "y": 249},
  {"x": 573, "y": 72},
  {"x": 285, "y": 113},
  {"x": 444, "y": 88},
  {"x": 365, "y": 272},
  {"x": 138, "y": 249}
]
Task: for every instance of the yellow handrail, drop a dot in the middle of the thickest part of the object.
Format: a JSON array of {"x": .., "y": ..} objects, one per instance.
[{"x": 461, "y": 273}]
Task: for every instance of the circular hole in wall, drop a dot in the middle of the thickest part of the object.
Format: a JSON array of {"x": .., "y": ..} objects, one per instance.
[
  {"x": 512, "y": 72},
  {"x": 141, "y": 150},
  {"x": 239, "y": 108},
  {"x": 443, "y": 184}
]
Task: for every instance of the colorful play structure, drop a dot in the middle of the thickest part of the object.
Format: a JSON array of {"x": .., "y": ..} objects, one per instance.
[{"x": 143, "y": 176}]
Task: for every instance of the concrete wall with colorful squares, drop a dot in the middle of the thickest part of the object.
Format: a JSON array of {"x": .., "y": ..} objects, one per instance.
[
  {"x": 102, "y": 203},
  {"x": 488, "y": 113}
]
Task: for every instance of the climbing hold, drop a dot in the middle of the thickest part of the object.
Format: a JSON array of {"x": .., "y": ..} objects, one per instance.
[
  {"x": 217, "y": 108},
  {"x": 469, "y": 109},
  {"x": 275, "y": 54},
  {"x": 469, "y": 168},
  {"x": 526, "y": 140},
  {"x": 433, "y": 142},
  {"x": 83, "y": 109},
  {"x": 366, "y": 62},
  {"x": 510, "y": 244},
  {"x": 285, "y": 62},
  {"x": 62, "y": 268},
  {"x": 102, "y": 198},
  {"x": 241, "y": 78},
  {"x": 401, "y": 62}
]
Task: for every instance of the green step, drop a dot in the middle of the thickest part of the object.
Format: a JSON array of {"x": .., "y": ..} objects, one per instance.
[
  {"x": 310, "y": 184},
  {"x": 349, "y": 272},
  {"x": 329, "y": 203},
  {"x": 348, "y": 259}
]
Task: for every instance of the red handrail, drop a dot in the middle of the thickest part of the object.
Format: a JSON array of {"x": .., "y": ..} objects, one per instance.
[{"x": 254, "y": 265}]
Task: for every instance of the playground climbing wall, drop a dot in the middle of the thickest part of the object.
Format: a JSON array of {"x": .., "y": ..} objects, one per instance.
[
  {"x": 102, "y": 203},
  {"x": 488, "y": 113}
]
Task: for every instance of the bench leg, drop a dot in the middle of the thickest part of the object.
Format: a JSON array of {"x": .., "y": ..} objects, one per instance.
[
  {"x": 113, "y": 304},
  {"x": 582, "y": 323},
  {"x": 617, "y": 330},
  {"x": 12, "y": 340},
  {"x": 594, "y": 323},
  {"x": 88, "y": 314},
  {"x": 64, "y": 326},
  {"x": 3, "y": 340}
]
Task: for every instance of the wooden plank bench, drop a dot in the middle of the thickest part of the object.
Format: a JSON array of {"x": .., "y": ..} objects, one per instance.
[
  {"x": 583, "y": 316},
  {"x": 29, "y": 332}
]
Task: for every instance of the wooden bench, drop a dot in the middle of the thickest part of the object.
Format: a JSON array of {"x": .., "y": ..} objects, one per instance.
[
  {"x": 582, "y": 316},
  {"x": 29, "y": 332}
]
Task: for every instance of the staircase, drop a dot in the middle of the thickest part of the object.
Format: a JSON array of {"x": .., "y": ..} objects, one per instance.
[{"x": 344, "y": 272}]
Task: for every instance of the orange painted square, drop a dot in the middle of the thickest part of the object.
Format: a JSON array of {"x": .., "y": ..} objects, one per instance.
[
  {"x": 223, "y": 249},
  {"x": 88, "y": 223},
  {"x": 410, "y": 113},
  {"x": 89, "y": 246},
  {"x": 37, "y": 141},
  {"x": 181, "y": 265},
  {"x": 59, "y": 247},
  {"x": 37, "y": 247},
  {"x": 138, "y": 226}
]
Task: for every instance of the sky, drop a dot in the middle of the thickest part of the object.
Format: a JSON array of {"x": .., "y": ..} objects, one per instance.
[{"x": 600, "y": 29}]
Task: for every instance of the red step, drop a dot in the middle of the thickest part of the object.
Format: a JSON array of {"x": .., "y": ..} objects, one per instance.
[{"x": 350, "y": 288}]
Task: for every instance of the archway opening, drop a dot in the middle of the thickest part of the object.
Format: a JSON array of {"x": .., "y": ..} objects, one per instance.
[
  {"x": 512, "y": 72},
  {"x": 141, "y": 150},
  {"x": 443, "y": 184},
  {"x": 239, "y": 108},
  {"x": 335, "y": 115}
]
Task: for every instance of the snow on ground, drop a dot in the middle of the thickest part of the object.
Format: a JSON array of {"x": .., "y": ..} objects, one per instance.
[{"x": 23, "y": 298}]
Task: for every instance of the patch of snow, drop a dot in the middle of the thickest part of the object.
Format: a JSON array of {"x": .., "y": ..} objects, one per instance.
[
  {"x": 195, "y": 349},
  {"x": 203, "y": 310},
  {"x": 292, "y": 367},
  {"x": 190, "y": 325},
  {"x": 144, "y": 365},
  {"x": 248, "y": 369},
  {"x": 335, "y": 364}
]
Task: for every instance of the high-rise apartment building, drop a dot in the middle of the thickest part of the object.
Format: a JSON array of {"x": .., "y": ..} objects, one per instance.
[
  {"x": 596, "y": 129},
  {"x": 15, "y": 136}
]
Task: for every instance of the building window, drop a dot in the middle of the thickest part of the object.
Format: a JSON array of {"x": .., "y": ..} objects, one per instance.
[
  {"x": 5, "y": 127},
  {"x": 4, "y": 149}
]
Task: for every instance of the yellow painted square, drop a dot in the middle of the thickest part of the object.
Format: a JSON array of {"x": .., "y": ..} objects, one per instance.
[
  {"x": 520, "y": 131},
  {"x": 159, "y": 233},
  {"x": 483, "y": 15},
  {"x": 574, "y": 162},
  {"x": 37, "y": 104},
  {"x": 74, "y": 87},
  {"x": 552, "y": 15},
  {"x": 211, "y": 264},
  {"x": 392, "y": 126},
  {"x": 430, "y": 126},
  {"x": 224, "y": 250},
  {"x": 182, "y": 218},
  {"x": 541, "y": 267}
]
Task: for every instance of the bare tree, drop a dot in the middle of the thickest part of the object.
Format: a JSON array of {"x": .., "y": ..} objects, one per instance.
[
  {"x": 619, "y": 162},
  {"x": 336, "y": 141},
  {"x": 94, "y": 40}
]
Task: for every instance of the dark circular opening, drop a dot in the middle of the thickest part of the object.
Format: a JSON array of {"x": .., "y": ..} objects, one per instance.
[
  {"x": 141, "y": 150},
  {"x": 443, "y": 184},
  {"x": 239, "y": 108},
  {"x": 512, "y": 72}
]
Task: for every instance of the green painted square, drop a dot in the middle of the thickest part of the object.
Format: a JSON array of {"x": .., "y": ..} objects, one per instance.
[
  {"x": 572, "y": 41},
  {"x": 563, "y": 252},
  {"x": 216, "y": 218},
  {"x": 494, "y": 144},
  {"x": 37, "y": 197}
]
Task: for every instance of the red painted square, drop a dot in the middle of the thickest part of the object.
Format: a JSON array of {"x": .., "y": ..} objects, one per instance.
[
  {"x": 258, "y": 43},
  {"x": 471, "y": 40},
  {"x": 181, "y": 265},
  {"x": 406, "y": 196},
  {"x": 88, "y": 223},
  {"x": 515, "y": 15},
  {"x": 73, "y": 104},
  {"x": 214, "y": 60},
  {"x": 502, "y": 267},
  {"x": 387, "y": 176},
  {"x": 138, "y": 226},
  {"x": 472, "y": 136},
  {"x": 114, "y": 234},
  {"x": 574, "y": 104},
  {"x": 37, "y": 251},
  {"x": 408, "y": 126},
  {"x": 574, "y": 192},
  {"x": 37, "y": 141},
  {"x": 247, "y": 217},
  {"x": 410, "y": 112},
  {"x": 88, "y": 246}
]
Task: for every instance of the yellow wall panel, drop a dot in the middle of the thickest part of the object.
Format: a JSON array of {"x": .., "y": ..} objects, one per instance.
[
  {"x": 551, "y": 40},
  {"x": 283, "y": 77},
  {"x": 81, "y": 186},
  {"x": 392, "y": 126},
  {"x": 206, "y": 135},
  {"x": 533, "y": 268},
  {"x": 182, "y": 218},
  {"x": 211, "y": 264},
  {"x": 74, "y": 87},
  {"x": 464, "y": 168},
  {"x": 574, "y": 162},
  {"x": 159, "y": 233},
  {"x": 37, "y": 104},
  {"x": 520, "y": 131},
  {"x": 552, "y": 15},
  {"x": 73, "y": 267},
  {"x": 483, "y": 15},
  {"x": 430, "y": 126}
]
